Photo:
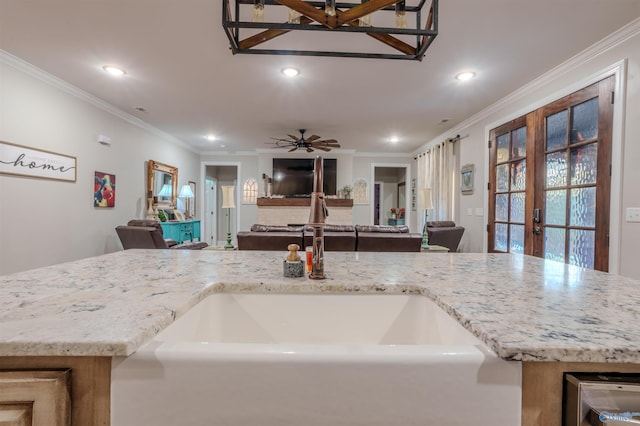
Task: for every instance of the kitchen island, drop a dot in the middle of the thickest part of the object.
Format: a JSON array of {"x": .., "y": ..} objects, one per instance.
[{"x": 549, "y": 316}]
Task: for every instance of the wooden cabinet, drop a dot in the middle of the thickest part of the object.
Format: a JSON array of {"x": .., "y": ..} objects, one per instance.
[
  {"x": 79, "y": 383},
  {"x": 181, "y": 231},
  {"x": 35, "y": 398}
]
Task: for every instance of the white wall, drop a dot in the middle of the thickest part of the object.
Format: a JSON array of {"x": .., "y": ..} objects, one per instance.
[
  {"x": 362, "y": 168},
  {"x": 44, "y": 222},
  {"x": 566, "y": 78}
]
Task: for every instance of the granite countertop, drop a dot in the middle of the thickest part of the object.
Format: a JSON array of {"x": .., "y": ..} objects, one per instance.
[{"x": 523, "y": 308}]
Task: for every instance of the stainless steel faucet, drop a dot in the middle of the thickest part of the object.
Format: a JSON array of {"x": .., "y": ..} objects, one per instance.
[{"x": 317, "y": 217}]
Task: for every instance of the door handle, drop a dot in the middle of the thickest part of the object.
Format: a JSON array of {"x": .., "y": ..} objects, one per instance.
[{"x": 537, "y": 230}]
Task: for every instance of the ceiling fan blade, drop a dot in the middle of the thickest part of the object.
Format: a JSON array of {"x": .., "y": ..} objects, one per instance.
[
  {"x": 325, "y": 149},
  {"x": 325, "y": 144},
  {"x": 309, "y": 149},
  {"x": 293, "y": 149},
  {"x": 295, "y": 138},
  {"x": 312, "y": 138},
  {"x": 328, "y": 141}
]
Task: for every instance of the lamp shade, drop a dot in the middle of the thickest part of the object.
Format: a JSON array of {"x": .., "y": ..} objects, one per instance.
[
  {"x": 425, "y": 198},
  {"x": 227, "y": 197},
  {"x": 186, "y": 192},
  {"x": 165, "y": 191}
]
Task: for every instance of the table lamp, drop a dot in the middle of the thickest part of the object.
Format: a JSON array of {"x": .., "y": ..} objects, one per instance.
[{"x": 186, "y": 192}]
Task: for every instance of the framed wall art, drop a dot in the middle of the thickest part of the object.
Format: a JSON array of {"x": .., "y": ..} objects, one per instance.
[
  {"x": 466, "y": 179},
  {"x": 24, "y": 161},
  {"x": 104, "y": 190}
]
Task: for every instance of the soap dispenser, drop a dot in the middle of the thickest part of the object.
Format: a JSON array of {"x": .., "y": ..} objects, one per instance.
[{"x": 293, "y": 266}]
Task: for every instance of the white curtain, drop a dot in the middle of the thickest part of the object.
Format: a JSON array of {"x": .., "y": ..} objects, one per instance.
[{"x": 436, "y": 171}]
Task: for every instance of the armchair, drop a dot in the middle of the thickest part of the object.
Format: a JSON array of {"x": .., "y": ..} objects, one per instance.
[{"x": 147, "y": 234}]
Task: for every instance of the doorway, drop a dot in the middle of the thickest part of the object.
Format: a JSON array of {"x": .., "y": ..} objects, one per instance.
[
  {"x": 550, "y": 180},
  {"x": 389, "y": 191},
  {"x": 218, "y": 221}
]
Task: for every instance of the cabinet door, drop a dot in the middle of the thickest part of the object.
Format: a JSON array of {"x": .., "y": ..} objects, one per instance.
[{"x": 35, "y": 398}]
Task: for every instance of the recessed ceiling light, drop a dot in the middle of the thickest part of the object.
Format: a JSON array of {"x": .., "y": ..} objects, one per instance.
[
  {"x": 291, "y": 72},
  {"x": 211, "y": 137},
  {"x": 115, "y": 71},
  {"x": 222, "y": 145},
  {"x": 465, "y": 76},
  {"x": 394, "y": 139}
]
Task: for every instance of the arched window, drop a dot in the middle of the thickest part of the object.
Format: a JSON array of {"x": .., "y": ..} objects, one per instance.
[
  {"x": 249, "y": 191},
  {"x": 360, "y": 193}
]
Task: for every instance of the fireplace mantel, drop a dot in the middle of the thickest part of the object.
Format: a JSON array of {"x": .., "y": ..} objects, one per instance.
[{"x": 302, "y": 202}]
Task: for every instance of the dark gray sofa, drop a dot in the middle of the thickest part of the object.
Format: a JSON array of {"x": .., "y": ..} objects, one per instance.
[
  {"x": 445, "y": 233},
  {"x": 380, "y": 238}
]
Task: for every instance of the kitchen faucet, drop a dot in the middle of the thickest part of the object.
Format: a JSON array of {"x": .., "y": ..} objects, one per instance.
[{"x": 317, "y": 217}]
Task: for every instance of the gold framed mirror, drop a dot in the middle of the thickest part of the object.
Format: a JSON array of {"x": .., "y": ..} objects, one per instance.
[{"x": 162, "y": 183}]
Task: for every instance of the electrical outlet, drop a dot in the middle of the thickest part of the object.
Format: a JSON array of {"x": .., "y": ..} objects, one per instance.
[
  {"x": 479, "y": 211},
  {"x": 633, "y": 214}
]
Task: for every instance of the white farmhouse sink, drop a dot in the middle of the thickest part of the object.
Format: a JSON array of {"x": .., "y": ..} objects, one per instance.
[
  {"x": 320, "y": 319},
  {"x": 315, "y": 360}
]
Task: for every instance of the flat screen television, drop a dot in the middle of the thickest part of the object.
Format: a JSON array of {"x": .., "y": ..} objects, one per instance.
[{"x": 293, "y": 177}]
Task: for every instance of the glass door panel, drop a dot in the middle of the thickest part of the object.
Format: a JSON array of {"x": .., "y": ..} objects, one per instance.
[
  {"x": 510, "y": 181},
  {"x": 573, "y": 137}
]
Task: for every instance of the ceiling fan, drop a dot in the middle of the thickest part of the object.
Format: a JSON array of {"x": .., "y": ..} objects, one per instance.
[{"x": 311, "y": 143}]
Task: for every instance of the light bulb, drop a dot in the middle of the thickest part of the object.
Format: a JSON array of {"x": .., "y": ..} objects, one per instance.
[
  {"x": 258, "y": 12},
  {"x": 330, "y": 8},
  {"x": 294, "y": 17},
  {"x": 401, "y": 15}
]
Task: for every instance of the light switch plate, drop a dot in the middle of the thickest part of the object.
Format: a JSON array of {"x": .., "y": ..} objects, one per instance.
[
  {"x": 469, "y": 211},
  {"x": 479, "y": 211},
  {"x": 633, "y": 214}
]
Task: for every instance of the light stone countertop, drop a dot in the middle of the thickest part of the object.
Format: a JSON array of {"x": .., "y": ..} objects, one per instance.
[{"x": 523, "y": 308}]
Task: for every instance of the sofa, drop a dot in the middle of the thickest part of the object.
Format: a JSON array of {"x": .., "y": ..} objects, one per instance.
[
  {"x": 336, "y": 237},
  {"x": 373, "y": 238},
  {"x": 445, "y": 233},
  {"x": 270, "y": 237},
  {"x": 147, "y": 234},
  {"x": 379, "y": 238}
]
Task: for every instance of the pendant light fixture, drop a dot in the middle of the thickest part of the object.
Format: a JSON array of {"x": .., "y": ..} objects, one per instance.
[{"x": 278, "y": 32}]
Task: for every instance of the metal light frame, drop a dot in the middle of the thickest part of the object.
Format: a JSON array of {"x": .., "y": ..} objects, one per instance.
[{"x": 313, "y": 18}]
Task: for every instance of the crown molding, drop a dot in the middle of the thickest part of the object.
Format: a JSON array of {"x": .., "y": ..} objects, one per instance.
[
  {"x": 56, "y": 82},
  {"x": 616, "y": 38}
]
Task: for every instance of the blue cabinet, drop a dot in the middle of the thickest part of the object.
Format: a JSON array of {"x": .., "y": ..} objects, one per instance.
[{"x": 181, "y": 231}]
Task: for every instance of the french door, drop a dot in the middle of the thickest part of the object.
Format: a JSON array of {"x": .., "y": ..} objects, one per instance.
[{"x": 550, "y": 180}]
